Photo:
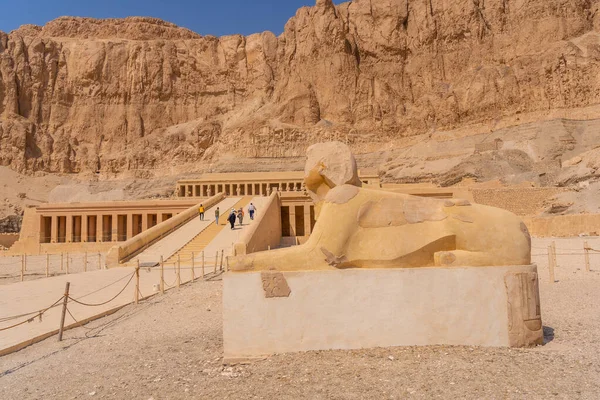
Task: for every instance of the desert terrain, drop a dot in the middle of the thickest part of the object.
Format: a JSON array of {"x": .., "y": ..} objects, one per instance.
[
  {"x": 438, "y": 93},
  {"x": 493, "y": 94},
  {"x": 170, "y": 347}
]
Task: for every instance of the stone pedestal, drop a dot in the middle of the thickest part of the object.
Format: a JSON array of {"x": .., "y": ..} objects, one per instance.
[{"x": 277, "y": 312}]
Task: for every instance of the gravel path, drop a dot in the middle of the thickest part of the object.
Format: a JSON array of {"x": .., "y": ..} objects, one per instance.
[{"x": 170, "y": 347}]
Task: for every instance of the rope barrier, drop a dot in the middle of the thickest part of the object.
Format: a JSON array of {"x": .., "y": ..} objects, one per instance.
[
  {"x": 173, "y": 285},
  {"x": 76, "y": 321},
  {"x": 11, "y": 264},
  {"x": 106, "y": 302},
  {"x": 102, "y": 288},
  {"x": 4, "y": 319},
  {"x": 559, "y": 254},
  {"x": 39, "y": 314}
]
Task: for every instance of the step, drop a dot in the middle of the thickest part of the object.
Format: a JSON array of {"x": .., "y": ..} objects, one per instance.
[{"x": 204, "y": 238}]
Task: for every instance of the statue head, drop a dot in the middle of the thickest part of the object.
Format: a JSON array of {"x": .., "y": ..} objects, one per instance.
[{"x": 329, "y": 165}]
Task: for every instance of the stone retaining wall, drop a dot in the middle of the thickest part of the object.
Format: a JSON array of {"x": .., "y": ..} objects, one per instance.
[
  {"x": 521, "y": 201},
  {"x": 564, "y": 225}
]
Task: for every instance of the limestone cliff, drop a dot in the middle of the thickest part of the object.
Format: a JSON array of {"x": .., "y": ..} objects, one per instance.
[{"x": 140, "y": 95}]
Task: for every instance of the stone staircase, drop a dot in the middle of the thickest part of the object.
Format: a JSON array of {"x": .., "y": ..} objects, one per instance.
[{"x": 198, "y": 244}]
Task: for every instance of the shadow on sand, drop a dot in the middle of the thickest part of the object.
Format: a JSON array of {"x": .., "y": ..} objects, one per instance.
[{"x": 548, "y": 334}]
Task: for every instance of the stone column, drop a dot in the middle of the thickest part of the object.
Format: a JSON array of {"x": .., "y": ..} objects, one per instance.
[
  {"x": 292, "y": 220},
  {"x": 115, "y": 228},
  {"x": 99, "y": 228},
  {"x": 307, "y": 221},
  {"x": 84, "y": 228},
  {"x": 144, "y": 222},
  {"x": 69, "y": 229},
  {"x": 129, "y": 225},
  {"x": 53, "y": 229}
]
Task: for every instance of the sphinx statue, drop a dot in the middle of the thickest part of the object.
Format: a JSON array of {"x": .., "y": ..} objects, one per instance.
[{"x": 369, "y": 228}]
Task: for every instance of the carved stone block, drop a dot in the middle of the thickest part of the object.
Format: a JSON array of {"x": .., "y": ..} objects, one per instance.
[
  {"x": 275, "y": 285},
  {"x": 524, "y": 314}
]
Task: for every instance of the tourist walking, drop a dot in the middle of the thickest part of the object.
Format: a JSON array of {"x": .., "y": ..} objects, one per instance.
[
  {"x": 217, "y": 213},
  {"x": 231, "y": 218},
  {"x": 251, "y": 211},
  {"x": 240, "y": 215},
  {"x": 201, "y": 212}
]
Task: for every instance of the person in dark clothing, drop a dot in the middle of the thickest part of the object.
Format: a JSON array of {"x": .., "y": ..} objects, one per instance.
[{"x": 231, "y": 218}]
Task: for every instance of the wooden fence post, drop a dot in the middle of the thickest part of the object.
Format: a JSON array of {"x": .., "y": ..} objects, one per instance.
[
  {"x": 22, "y": 267},
  {"x": 551, "y": 264},
  {"x": 64, "y": 311},
  {"x": 178, "y": 271},
  {"x": 202, "y": 264},
  {"x": 162, "y": 275},
  {"x": 586, "y": 250},
  {"x": 67, "y": 264},
  {"x": 216, "y": 261},
  {"x": 221, "y": 266},
  {"x": 61, "y": 261},
  {"x": 85, "y": 262},
  {"x": 47, "y": 265},
  {"x": 193, "y": 272},
  {"x": 137, "y": 282}
]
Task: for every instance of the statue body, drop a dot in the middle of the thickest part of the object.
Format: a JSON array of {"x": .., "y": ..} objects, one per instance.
[{"x": 365, "y": 228}]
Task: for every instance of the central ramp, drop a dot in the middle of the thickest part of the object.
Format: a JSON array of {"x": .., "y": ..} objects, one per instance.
[
  {"x": 204, "y": 238},
  {"x": 171, "y": 244}
]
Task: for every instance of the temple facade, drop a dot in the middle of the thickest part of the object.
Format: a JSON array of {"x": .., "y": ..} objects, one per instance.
[
  {"x": 97, "y": 226},
  {"x": 252, "y": 183}
]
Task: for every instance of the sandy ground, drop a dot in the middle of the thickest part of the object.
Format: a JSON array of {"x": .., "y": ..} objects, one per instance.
[{"x": 170, "y": 347}]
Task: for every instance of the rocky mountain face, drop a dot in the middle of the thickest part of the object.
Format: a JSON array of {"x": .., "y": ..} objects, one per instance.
[{"x": 140, "y": 96}]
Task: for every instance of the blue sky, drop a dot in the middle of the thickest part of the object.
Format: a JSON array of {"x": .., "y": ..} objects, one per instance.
[{"x": 207, "y": 17}]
